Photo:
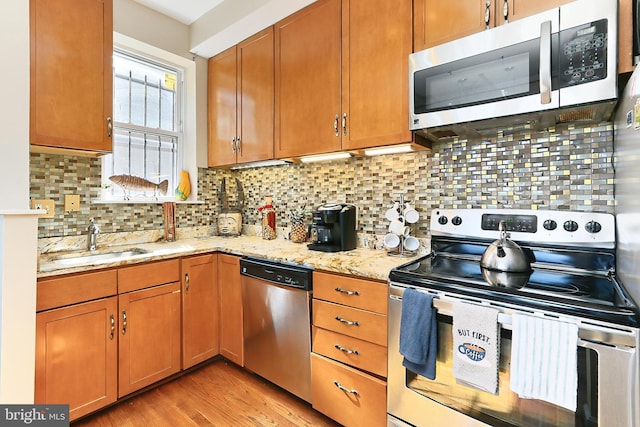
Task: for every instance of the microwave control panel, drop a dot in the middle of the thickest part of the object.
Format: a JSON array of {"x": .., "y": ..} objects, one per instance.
[{"x": 583, "y": 53}]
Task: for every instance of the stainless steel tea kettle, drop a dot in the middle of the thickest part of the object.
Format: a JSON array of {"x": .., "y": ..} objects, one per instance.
[{"x": 504, "y": 262}]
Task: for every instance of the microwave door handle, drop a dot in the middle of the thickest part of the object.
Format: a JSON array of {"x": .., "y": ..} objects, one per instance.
[{"x": 545, "y": 62}]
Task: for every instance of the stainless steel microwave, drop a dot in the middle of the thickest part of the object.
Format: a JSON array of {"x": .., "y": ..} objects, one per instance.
[{"x": 555, "y": 66}]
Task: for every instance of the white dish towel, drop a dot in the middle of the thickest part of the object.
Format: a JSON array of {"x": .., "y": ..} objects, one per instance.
[
  {"x": 476, "y": 346},
  {"x": 544, "y": 360}
]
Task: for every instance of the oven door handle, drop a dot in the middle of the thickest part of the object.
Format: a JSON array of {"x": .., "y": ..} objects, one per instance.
[{"x": 587, "y": 333}]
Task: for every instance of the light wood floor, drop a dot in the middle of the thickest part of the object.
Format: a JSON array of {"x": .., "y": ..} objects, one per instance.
[{"x": 218, "y": 394}]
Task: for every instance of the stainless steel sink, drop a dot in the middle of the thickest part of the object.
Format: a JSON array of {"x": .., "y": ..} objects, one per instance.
[{"x": 70, "y": 260}]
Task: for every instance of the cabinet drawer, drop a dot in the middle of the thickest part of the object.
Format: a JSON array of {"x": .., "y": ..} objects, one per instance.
[
  {"x": 61, "y": 291},
  {"x": 352, "y": 351},
  {"x": 362, "y": 402},
  {"x": 349, "y": 321},
  {"x": 147, "y": 275},
  {"x": 351, "y": 291}
]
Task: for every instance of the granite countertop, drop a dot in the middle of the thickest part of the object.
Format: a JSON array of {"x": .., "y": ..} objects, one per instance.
[{"x": 367, "y": 263}]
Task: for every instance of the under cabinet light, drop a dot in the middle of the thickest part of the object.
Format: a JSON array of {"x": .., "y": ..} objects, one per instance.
[
  {"x": 322, "y": 157},
  {"x": 259, "y": 164},
  {"x": 394, "y": 149}
]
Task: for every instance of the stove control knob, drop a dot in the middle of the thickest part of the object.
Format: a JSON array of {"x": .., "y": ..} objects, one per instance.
[
  {"x": 571, "y": 226},
  {"x": 443, "y": 220},
  {"x": 550, "y": 225},
  {"x": 456, "y": 220},
  {"x": 593, "y": 227}
]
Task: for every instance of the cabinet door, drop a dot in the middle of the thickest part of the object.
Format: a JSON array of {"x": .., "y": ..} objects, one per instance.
[
  {"x": 76, "y": 356},
  {"x": 307, "y": 97},
  {"x": 375, "y": 69},
  {"x": 71, "y": 73},
  {"x": 149, "y": 328},
  {"x": 255, "y": 97},
  {"x": 437, "y": 22},
  {"x": 518, "y": 9},
  {"x": 231, "y": 327},
  {"x": 222, "y": 108},
  {"x": 199, "y": 309}
]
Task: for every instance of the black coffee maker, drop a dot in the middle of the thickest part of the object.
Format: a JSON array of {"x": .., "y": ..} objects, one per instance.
[{"x": 333, "y": 228}]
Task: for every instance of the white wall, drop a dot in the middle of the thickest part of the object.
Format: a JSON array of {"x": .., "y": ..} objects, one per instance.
[
  {"x": 14, "y": 105},
  {"x": 18, "y": 226}
]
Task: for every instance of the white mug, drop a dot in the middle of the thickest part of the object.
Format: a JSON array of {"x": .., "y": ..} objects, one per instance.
[
  {"x": 410, "y": 214},
  {"x": 393, "y": 213},
  {"x": 411, "y": 243},
  {"x": 391, "y": 240},
  {"x": 396, "y": 226}
]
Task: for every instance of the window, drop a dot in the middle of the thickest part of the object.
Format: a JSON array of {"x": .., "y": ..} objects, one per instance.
[{"x": 147, "y": 133}]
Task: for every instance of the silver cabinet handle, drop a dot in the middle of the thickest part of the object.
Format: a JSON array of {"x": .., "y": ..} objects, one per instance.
[
  {"x": 545, "y": 62},
  {"x": 347, "y": 322},
  {"x": 238, "y": 145},
  {"x": 233, "y": 145},
  {"x": 505, "y": 11},
  {"x": 186, "y": 281},
  {"x": 335, "y": 125},
  {"x": 487, "y": 14},
  {"x": 346, "y": 350},
  {"x": 346, "y": 390},
  {"x": 109, "y": 127},
  {"x": 112, "y": 320},
  {"x": 344, "y": 124},
  {"x": 124, "y": 322},
  {"x": 346, "y": 292}
]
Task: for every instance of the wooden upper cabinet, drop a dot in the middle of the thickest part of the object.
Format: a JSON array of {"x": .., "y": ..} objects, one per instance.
[
  {"x": 437, "y": 22},
  {"x": 518, "y": 9},
  {"x": 625, "y": 36},
  {"x": 222, "y": 108},
  {"x": 241, "y": 105},
  {"x": 376, "y": 44},
  {"x": 308, "y": 73},
  {"x": 341, "y": 76},
  {"x": 71, "y": 95}
]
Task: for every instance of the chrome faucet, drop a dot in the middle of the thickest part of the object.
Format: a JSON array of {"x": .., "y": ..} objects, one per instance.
[{"x": 94, "y": 230}]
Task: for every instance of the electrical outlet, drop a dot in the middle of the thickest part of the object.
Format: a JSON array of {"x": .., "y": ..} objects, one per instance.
[
  {"x": 71, "y": 203},
  {"x": 46, "y": 205}
]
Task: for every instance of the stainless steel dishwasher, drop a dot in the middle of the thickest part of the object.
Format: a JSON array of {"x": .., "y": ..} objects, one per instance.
[{"x": 277, "y": 323}]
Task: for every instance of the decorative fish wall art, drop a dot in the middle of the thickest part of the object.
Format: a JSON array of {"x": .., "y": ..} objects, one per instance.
[{"x": 135, "y": 183}]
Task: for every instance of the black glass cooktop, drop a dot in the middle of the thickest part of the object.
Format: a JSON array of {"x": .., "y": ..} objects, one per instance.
[{"x": 573, "y": 282}]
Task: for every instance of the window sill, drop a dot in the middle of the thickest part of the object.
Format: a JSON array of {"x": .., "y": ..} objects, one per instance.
[{"x": 145, "y": 202}]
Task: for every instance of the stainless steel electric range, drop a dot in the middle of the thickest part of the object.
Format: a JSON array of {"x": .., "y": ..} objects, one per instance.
[{"x": 571, "y": 278}]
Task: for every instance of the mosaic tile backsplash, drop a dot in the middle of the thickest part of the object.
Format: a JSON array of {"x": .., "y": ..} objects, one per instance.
[{"x": 567, "y": 167}]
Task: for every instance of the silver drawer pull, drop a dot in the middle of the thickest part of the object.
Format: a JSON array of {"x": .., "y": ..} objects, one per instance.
[
  {"x": 347, "y": 322},
  {"x": 346, "y": 292},
  {"x": 346, "y": 390},
  {"x": 346, "y": 350}
]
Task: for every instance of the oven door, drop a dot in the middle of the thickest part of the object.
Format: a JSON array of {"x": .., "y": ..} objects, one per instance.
[{"x": 607, "y": 380}]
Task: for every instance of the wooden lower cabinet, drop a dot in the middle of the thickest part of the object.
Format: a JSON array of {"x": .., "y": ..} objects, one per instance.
[
  {"x": 77, "y": 355},
  {"x": 349, "y": 349},
  {"x": 149, "y": 328},
  {"x": 347, "y": 395},
  {"x": 199, "y": 309},
  {"x": 231, "y": 324}
]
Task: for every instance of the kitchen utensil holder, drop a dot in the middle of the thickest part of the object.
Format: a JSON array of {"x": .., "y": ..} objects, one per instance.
[{"x": 400, "y": 251}]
